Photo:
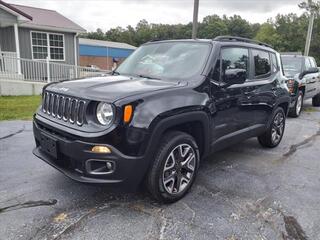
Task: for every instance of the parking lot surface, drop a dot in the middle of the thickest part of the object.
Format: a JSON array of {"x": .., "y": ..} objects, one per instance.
[{"x": 243, "y": 192}]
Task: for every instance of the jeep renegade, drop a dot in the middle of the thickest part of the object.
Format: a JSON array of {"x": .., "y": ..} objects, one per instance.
[{"x": 168, "y": 105}]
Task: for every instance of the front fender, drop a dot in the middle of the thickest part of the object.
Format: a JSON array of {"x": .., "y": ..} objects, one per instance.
[
  {"x": 166, "y": 103},
  {"x": 159, "y": 126}
]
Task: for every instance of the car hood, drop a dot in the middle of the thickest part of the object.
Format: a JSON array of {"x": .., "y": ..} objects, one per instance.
[{"x": 110, "y": 88}]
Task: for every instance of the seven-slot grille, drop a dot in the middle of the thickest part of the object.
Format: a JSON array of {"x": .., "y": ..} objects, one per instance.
[{"x": 64, "y": 108}]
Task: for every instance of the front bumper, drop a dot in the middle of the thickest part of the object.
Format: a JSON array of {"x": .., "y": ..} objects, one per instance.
[{"x": 72, "y": 156}]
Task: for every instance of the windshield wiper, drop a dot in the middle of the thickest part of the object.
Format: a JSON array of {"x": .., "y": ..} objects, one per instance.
[
  {"x": 114, "y": 72},
  {"x": 149, "y": 77}
]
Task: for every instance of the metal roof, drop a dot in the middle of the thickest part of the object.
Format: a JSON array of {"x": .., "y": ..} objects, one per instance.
[
  {"x": 100, "y": 43},
  {"x": 47, "y": 19},
  {"x": 15, "y": 10}
]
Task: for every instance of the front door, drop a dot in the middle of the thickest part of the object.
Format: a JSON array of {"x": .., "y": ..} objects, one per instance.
[
  {"x": 231, "y": 115},
  {"x": 311, "y": 80}
]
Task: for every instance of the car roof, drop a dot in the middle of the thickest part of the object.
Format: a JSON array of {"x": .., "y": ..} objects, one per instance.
[
  {"x": 293, "y": 56},
  {"x": 227, "y": 41}
]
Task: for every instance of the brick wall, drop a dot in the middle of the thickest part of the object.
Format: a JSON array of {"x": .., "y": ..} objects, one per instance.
[{"x": 101, "y": 62}]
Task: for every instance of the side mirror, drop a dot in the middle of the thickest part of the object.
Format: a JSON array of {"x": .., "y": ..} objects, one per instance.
[
  {"x": 234, "y": 76},
  {"x": 309, "y": 71}
]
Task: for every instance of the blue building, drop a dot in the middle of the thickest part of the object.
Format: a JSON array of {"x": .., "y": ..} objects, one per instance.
[{"x": 103, "y": 54}]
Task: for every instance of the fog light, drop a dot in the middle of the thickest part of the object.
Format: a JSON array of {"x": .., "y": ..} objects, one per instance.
[
  {"x": 100, "y": 166},
  {"x": 100, "y": 149},
  {"x": 109, "y": 165}
]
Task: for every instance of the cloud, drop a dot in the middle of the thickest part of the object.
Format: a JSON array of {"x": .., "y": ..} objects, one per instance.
[
  {"x": 261, "y": 6},
  {"x": 106, "y": 14}
]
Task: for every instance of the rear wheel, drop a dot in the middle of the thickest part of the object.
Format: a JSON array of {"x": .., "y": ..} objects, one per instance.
[
  {"x": 316, "y": 100},
  {"x": 272, "y": 137},
  {"x": 174, "y": 169},
  {"x": 296, "y": 110}
]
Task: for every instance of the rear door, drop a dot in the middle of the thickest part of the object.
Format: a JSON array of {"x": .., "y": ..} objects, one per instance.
[
  {"x": 310, "y": 80},
  {"x": 316, "y": 76},
  {"x": 265, "y": 82}
]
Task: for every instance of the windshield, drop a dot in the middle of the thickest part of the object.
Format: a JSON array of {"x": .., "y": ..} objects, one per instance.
[
  {"x": 291, "y": 65},
  {"x": 167, "y": 60}
]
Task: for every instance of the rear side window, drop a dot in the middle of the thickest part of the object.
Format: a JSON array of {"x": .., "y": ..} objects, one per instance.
[
  {"x": 234, "y": 59},
  {"x": 313, "y": 62},
  {"x": 262, "y": 65},
  {"x": 275, "y": 66},
  {"x": 308, "y": 64}
]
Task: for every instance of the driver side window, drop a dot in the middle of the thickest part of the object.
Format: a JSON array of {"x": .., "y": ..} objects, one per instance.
[{"x": 235, "y": 60}]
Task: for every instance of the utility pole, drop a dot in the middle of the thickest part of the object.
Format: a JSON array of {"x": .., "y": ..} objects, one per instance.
[
  {"x": 311, "y": 8},
  {"x": 195, "y": 19},
  {"x": 309, "y": 35}
]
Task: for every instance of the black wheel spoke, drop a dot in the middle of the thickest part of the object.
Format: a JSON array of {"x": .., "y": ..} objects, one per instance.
[{"x": 178, "y": 183}]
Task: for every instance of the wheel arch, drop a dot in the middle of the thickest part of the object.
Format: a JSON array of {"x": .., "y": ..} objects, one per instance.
[
  {"x": 195, "y": 123},
  {"x": 284, "y": 106},
  {"x": 303, "y": 89}
]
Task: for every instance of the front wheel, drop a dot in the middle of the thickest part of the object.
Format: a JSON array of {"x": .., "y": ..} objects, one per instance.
[
  {"x": 296, "y": 110},
  {"x": 316, "y": 100},
  {"x": 272, "y": 137},
  {"x": 174, "y": 168}
]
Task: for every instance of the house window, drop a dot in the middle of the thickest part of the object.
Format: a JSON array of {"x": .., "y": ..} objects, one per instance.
[
  {"x": 56, "y": 46},
  {"x": 47, "y": 44},
  {"x": 39, "y": 45}
]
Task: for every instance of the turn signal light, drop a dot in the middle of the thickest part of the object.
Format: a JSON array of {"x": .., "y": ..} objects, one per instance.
[
  {"x": 127, "y": 113},
  {"x": 101, "y": 149}
]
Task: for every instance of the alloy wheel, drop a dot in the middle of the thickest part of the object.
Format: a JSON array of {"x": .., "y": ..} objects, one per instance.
[
  {"x": 277, "y": 128},
  {"x": 179, "y": 169},
  {"x": 299, "y": 105}
]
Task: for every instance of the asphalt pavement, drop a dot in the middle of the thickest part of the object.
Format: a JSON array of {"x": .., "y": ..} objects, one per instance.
[{"x": 243, "y": 192}]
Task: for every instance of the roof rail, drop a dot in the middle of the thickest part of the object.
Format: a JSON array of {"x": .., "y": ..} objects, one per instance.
[
  {"x": 155, "y": 40},
  {"x": 291, "y": 53},
  {"x": 240, "y": 39}
]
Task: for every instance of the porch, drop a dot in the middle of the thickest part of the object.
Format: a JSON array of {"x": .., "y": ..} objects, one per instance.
[
  {"x": 36, "y": 73},
  {"x": 10, "y": 19},
  {"x": 15, "y": 68}
]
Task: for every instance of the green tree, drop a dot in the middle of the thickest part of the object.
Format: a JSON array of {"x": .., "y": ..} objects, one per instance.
[
  {"x": 238, "y": 26},
  {"x": 268, "y": 34},
  {"x": 212, "y": 26},
  {"x": 285, "y": 32}
]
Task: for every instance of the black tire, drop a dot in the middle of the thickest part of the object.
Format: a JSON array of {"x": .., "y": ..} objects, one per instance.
[
  {"x": 155, "y": 180},
  {"x": 267, "y": 139},
  {"x": 316, "y": 100},
  {"x": 296, "y": 110}
]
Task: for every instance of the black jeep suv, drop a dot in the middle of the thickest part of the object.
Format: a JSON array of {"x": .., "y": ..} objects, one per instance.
[{"x": 168, "y": 105}]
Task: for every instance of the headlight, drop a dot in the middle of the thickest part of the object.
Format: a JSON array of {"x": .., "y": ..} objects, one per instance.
[{"x": 104, "y": 113}]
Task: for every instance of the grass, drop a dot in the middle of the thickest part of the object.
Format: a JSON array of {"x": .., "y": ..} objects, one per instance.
[
  {"x": 18, "y": 107},
  {"x": 310, "y": 109}
]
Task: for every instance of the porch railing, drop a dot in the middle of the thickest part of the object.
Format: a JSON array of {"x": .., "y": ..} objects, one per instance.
[
  {"x": 43, "y": 70},
  {"x": 7, "y": 59}
]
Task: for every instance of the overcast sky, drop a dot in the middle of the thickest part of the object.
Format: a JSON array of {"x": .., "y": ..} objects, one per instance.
[{"x": 105, "y": 14}]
